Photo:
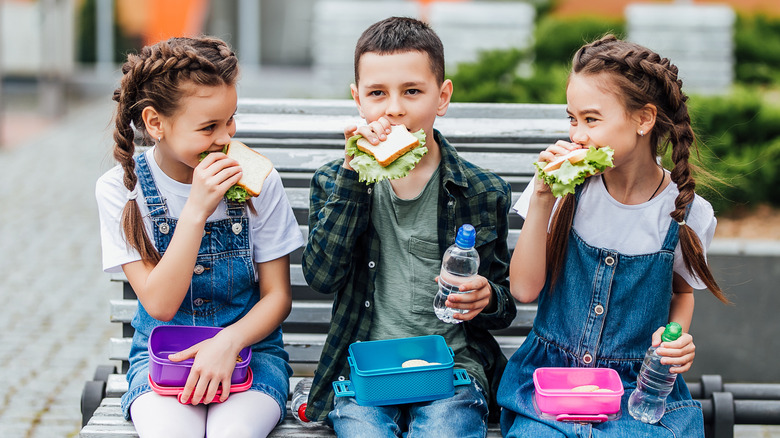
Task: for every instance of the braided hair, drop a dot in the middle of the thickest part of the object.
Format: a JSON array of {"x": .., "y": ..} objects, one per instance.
[
  {"x": 640, "y": 77},
  {"x": 157, "y": 77}
]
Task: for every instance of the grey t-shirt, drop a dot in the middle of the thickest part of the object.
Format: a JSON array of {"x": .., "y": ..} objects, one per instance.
[{"x": 405, "y": 285}]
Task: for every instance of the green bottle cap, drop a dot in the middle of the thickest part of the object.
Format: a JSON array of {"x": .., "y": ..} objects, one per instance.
[{"x": 672, "y": 332}]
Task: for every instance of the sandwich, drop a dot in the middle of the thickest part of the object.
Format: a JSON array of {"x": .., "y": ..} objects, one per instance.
[
  {"x": 568, "y": 171},
  {"x": 390, "y": 159},
  {"x": 255, "y": 168}
]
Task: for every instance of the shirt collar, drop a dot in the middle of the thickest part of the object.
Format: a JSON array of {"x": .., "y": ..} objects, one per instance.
[{"x": 451, "y": 169}]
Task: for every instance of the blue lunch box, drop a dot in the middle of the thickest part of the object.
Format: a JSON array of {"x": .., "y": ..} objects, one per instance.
[{"x": 377, "y": 377}]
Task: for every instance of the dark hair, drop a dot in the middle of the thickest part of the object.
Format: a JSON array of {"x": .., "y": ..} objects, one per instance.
[
  {"x": 639, "y": 77},
  {"x": 401, "y": 34},
  {"x": 157, "y": 77}
]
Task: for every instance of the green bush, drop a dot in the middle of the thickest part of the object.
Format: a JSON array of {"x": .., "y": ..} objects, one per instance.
[
  {"x": 556, "y": 40},
  {"x": 757, "y": 50}
]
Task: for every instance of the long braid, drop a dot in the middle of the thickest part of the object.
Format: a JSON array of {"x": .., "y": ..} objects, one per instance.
[
  {"x": 644, "y": 77},
  {"x": 155, "y": 77}
]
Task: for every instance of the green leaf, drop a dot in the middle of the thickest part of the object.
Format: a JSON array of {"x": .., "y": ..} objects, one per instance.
[{"x": 564, "y": 179}]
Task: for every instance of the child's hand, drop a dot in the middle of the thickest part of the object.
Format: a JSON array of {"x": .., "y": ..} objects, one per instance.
[
  {"x": 475, "y": 302},
  {"x": 552, "y": 152},
  {"x": 678, "y": 353},
  {"x": 374, "y": 132},
  {"x": 213, "y": 366},
  {"x": 210, "y": 180}
]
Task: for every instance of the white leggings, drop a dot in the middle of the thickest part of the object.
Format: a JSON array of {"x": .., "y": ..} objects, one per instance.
[{"x": 243, "y": 414}]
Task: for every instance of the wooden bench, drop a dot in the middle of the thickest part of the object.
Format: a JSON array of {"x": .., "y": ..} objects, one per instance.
[{"x": 299, "y": 136}]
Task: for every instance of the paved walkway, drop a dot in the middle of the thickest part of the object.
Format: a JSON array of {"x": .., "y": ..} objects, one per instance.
[{"x": 54, "y": 327}]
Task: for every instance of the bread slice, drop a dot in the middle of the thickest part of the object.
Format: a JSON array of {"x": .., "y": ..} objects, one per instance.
[
  {"x": 399, "y": 142},
  {"x": 255, "y": 166}
]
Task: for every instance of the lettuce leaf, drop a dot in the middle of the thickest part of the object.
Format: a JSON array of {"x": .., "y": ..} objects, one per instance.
[
  {"x": 235, "y": 193},
  {"x": 369, "y": 171},
  {"x": 564, "y": 179}
]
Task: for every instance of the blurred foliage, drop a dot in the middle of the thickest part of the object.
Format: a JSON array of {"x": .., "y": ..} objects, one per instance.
[
  {"x": 757, "y": 49},
  {"x": 739, "y": 145},
  {"x": 536, "y": 75},
  {"x": 86, "y": 39}
]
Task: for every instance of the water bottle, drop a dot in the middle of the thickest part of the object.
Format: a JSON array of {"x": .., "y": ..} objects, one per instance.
[
  {"x": 299, "y": 398},
  {"x": 459, "y": 264},
  {"x": 654, "y": 382}
]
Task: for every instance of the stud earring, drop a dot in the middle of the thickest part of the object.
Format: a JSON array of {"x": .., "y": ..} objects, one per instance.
[
  {"x": 159, "y": 138},
  {"x": 641, "y": 133}
]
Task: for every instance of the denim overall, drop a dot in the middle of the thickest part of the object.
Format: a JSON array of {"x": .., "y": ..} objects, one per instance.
[
  {"x": 222, "y": 291},
  {"x": 603, "y": 312}
]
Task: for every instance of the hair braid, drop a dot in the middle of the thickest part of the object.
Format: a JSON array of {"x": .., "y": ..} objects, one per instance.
[
  {"x": 155, "y": 77},
  {"x": 643, "y": 77}
]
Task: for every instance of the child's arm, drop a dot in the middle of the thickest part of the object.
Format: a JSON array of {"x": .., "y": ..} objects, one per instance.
[
  {"x": 215, "y": 358},
  {"x": 528, "y": 268},
  {"x": 681, "y": 352},
  {"x": 162, "y": 288},
  {"x": 338, "y": 216}
]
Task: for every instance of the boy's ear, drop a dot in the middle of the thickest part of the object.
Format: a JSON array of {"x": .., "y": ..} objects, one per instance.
[
  {"x": 646, "y": 117},
  {"x": 356, "y": 96},
  {"x": 152, "y": 122},
  {"x": 445, "y": 94}
]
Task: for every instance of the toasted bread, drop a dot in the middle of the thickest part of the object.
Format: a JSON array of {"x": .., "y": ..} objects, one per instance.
[
  {"x": 399, "y": 142},
  {"x": 255, "y": 166}
]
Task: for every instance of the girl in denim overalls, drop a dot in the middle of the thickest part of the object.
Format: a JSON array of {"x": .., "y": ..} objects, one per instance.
[
  {"x": 192, "y": 257},
  {"x": 623, "y": 253}
]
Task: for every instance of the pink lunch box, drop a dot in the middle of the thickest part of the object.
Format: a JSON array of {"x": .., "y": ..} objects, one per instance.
[{"x": 555, "y": 395}]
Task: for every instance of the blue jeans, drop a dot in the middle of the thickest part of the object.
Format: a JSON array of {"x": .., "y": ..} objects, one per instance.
[{"x": 462, "y": 415}]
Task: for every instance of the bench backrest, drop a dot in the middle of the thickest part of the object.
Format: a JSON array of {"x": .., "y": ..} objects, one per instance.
[{"x": 301, "y": 135}]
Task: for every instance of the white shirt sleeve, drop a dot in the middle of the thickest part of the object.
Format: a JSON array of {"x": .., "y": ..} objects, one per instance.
[
  {"x": 111, "y": 196},
  {"x": 275, "y": 231}
]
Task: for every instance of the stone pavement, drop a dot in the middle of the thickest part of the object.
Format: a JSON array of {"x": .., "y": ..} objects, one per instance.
[{"x": 54, "y": 327}]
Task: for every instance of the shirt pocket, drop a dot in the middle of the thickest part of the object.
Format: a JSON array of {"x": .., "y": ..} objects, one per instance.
[{"x": 426, "y": 264}]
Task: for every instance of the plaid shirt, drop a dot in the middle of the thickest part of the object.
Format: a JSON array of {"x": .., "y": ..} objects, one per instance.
[{"x": 342, "y": 255}]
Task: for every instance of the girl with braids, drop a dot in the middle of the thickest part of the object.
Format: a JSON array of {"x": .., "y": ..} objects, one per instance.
[
  {"x": 192, "y": 257},
  {"x": 619, "y": 259}
]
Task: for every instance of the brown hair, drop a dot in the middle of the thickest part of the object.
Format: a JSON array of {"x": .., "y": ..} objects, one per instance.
[
  {"x": 639, "y": 77},
  {"x": 401, "y": 34},
  {"x": 157, "y": 77}
]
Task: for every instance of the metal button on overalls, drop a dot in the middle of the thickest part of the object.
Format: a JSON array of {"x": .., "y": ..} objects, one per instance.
[
  {"x": 198, "y": 269},
  {"x": 164, "y": 228},
  {"x": 198, "y": 302},
  {"x": 237, "y": 227},
  {"x": 587, "y": 358},
  {"x": 599, "y": 309},
  {"x": 609, "y": 260}
]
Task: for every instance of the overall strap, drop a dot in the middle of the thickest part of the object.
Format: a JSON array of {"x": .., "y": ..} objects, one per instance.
[
  {"x": 673, "y": 234},
  {"x": 154, "y": 201},
  {"x": 236, "y": 209}
]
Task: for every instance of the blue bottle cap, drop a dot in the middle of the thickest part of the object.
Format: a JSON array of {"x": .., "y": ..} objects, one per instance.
[{"x": 467, "y": 235}]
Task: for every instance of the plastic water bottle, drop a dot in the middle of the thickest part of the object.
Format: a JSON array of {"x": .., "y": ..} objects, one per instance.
[
  {"x": 654, "y": 383},
  {"x": 299, "y": 398},
  {"x": 459, "y": 264}
]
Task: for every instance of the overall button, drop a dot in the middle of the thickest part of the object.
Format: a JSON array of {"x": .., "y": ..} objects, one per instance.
[
  {"x": 371, "y": 264},
  {"x": 368, "y": 304},
  {"x": 609, "y": 260},
  {"x": 198, "y": 269},
  {"x": 164, "y": 228},
  {"x": 587, "y": 358},
  {"x": 369, "y": 190},
  {"x": 198, "y": 302},
  {"x": 599, "y": 309},
  {"x": 237, "y": 227}
]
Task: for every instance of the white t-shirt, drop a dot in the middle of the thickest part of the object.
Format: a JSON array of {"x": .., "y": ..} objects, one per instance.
[
  {"x": 274, "y": 230},
  {"x": 604, "y": 222}
]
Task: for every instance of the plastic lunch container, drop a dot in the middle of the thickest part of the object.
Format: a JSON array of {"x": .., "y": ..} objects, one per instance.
[
  {"x": 378, "y": 378},
  {"x": 169, "y": 339},
  {"x": 555, "y": 397}
]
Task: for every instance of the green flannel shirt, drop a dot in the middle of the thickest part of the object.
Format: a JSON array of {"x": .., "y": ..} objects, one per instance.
[{"x": 342, "y": 255}]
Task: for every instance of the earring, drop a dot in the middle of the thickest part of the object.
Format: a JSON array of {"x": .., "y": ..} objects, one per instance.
[
  {"x": 641, "y": 133},
  {"x": 159, "y": 138}
]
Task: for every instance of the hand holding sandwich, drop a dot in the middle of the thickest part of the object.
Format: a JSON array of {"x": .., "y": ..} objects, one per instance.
[
  {"x": 564, "y": 165},
  {"x": 213, "y": 176}
]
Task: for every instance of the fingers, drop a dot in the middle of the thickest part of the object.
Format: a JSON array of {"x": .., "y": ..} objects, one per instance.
[
  {"x": 474, "y": 302},
  {"x": 679, "y": 353},
  {"x": 656, "y": 341},
  {"x": 375, "y": 131},
  {"x": 559, "y": 148}
]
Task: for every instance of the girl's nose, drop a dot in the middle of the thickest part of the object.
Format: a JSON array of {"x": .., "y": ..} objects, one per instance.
[{"x": 578, "y": 135}]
